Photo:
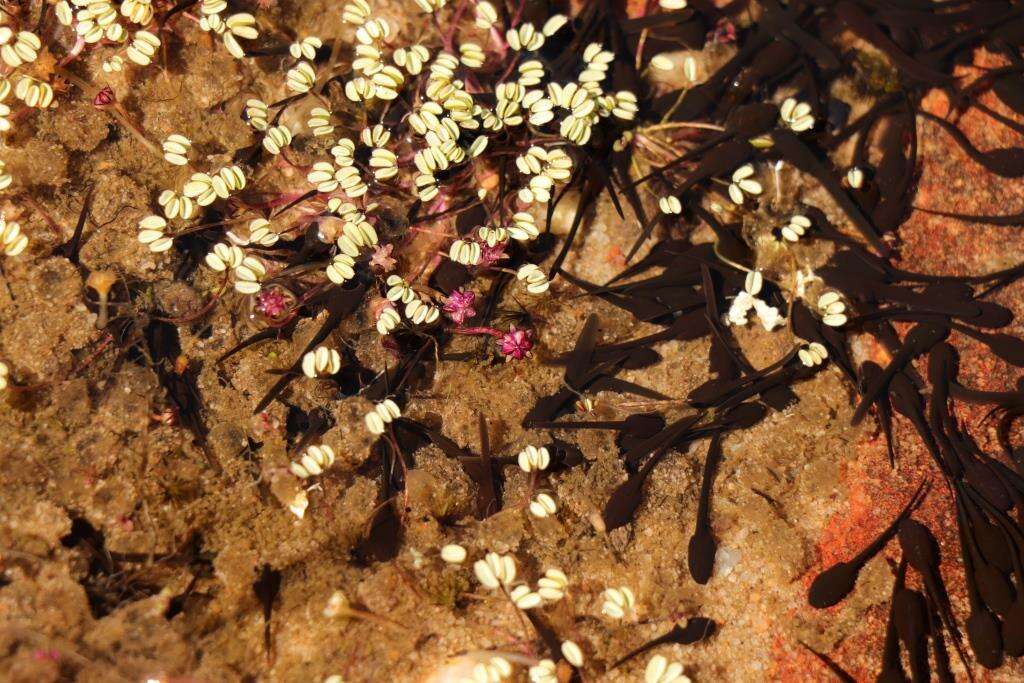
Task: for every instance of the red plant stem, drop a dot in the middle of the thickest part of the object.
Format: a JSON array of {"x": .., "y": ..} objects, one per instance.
[{"x": 478, "y": 331}]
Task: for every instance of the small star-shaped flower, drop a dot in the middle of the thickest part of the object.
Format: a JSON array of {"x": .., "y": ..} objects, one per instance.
[
  {"x": 382, "y": 258},
  {"x": 515, "y": 344},
  {"x": 459, "y": 306}
]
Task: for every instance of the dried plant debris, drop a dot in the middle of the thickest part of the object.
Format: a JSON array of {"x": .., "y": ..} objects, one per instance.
[{"x": 417, "y": 192}]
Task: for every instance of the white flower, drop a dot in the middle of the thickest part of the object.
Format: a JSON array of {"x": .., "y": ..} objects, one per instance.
[
  {"x": 387, "y": 321},
  {"x": 342, "y": 269},
  {"x": 552, "y": 585},
  {"x": 301, "y": 78},
  {"x": 533, "y": 459},
  {"x": 320, "y": 122},
  {"x": 420, "y": 312},
  {"x": 554, "y": 23},
  {"x": 382, "y": 414},
  {"x": 465, "y": 252},
  {"x": 690, "y": 69},
  {"x": 543, "y": 506},
  {"x": 768, "y": 315},
  {"x": 796, "y": 228},
  {"x": 276, "y": 139},
  {"x": 493, "y": 670},
  {"x": 526, "y": 37},
  {"x": 753, "y": 282},
  {"x": 740, "y": 308},
  {"x": 34, "y": 93},
  {"x": 249, "y": 274},
  {"x": 24, "y": 49},
  {"x": 796, "y": 115},
  {"x": 321, "y": 361},
  {"x": 223, "y": 257},
  {"x": 545, "y": 671},
  {"x": 662, "y": 62},
  {"x": 471, "y": 55},
  {"x": 399, "y": 290},
  {"x": 453, "y": 554},
  {"x": 209, "y": 7},
  {"x": 813, "y": 354},
  {"x": 242, "y": 25},
  {"x": 618, "y": 602},
  {"x": 572, "y": 653},
  {"x": 670, "y": 205},
  {"x": 384, "y": 163},
  {"x": 314, "y": 461},
  {"x": 176, "y": 149},
  {"x": 137, "y": 11},
  {"x": 746, "y": 300},
  {"x": 832, "y": 309},
  {"x": 257, "y": 113},
  {"x": 536, "y": 279},
  {"x": 12, "y": 240},
  {"x": 356, "y": 12},
  {"x": 486, "y": 15},
  {"x": 299, "y": 504},
  {"x": 261, "y": 234},
  {"x": 411, "y": 58},
  {"x": 431, "y": 6},
  {"x": 205, "y": 189},
  {"x": 151, "y": 233},
  {"x": 660, "y": 671},
  {"x": 176, "y": 205},
  {"x": 524, "y": 598},
  {"x": 305, "y": 48},
  {"x": 742, "y": 183},
  {"x": 855, "y": 177},
  {"x": 143, "y": 47},
  {"x": 495, "y": 570},
  {"x": 523, "y": 227}
]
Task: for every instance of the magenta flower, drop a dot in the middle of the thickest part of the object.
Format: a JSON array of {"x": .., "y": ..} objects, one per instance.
[
  {"x": 382, "y": 258},
  {"x": 459, "y": 306},
  {"x": 515, "y": 344},
  {"x": 272, "y": 302},
  {"x": 491, "y": 255},
  {"x": 104, "y": 97}
]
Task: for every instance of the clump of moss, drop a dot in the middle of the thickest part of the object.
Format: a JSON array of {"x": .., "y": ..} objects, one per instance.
[
  {"x": 444, "y": 588},
  {"x": 876, "y": 76}
]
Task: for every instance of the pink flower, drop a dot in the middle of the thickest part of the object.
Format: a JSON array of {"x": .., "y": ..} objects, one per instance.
[
  {"x": 491, "y": 255},
  {"x": 459, "y": 306},
  {"x": 272, "y": 302},
  {"x": 104, "y": 97},
  {"x": 515, "y": 344},
  {"x": 724, "y": 32},
  {"x": 382, "y": 258}
]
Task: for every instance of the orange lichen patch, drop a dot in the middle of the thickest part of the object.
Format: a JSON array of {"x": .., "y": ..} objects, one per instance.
[
  {"x": 874, "y": 492},
  {"x": 615, "y": 256}
]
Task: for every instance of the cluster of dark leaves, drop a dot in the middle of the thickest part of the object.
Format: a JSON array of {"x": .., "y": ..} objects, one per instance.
[{"x": 682, "y": 289}]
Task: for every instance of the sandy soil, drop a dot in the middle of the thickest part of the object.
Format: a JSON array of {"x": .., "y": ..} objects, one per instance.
[{"x": 179, "y": 532}]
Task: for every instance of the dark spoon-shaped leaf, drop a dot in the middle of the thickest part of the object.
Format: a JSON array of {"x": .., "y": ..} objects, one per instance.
[
  {"x": 892, "y": 666},
  {"x": 983, "y": 631},
  {"x": 696, "y": 630},
  {"x": 911, "y": 615},
  {"x": 1007, "y": 162},
  {"x": 266, "y": 588},
  {"x": 700, "y": 556},
  {"x": 836, "y": 582},
  {"x": 839, "y": 672}
]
